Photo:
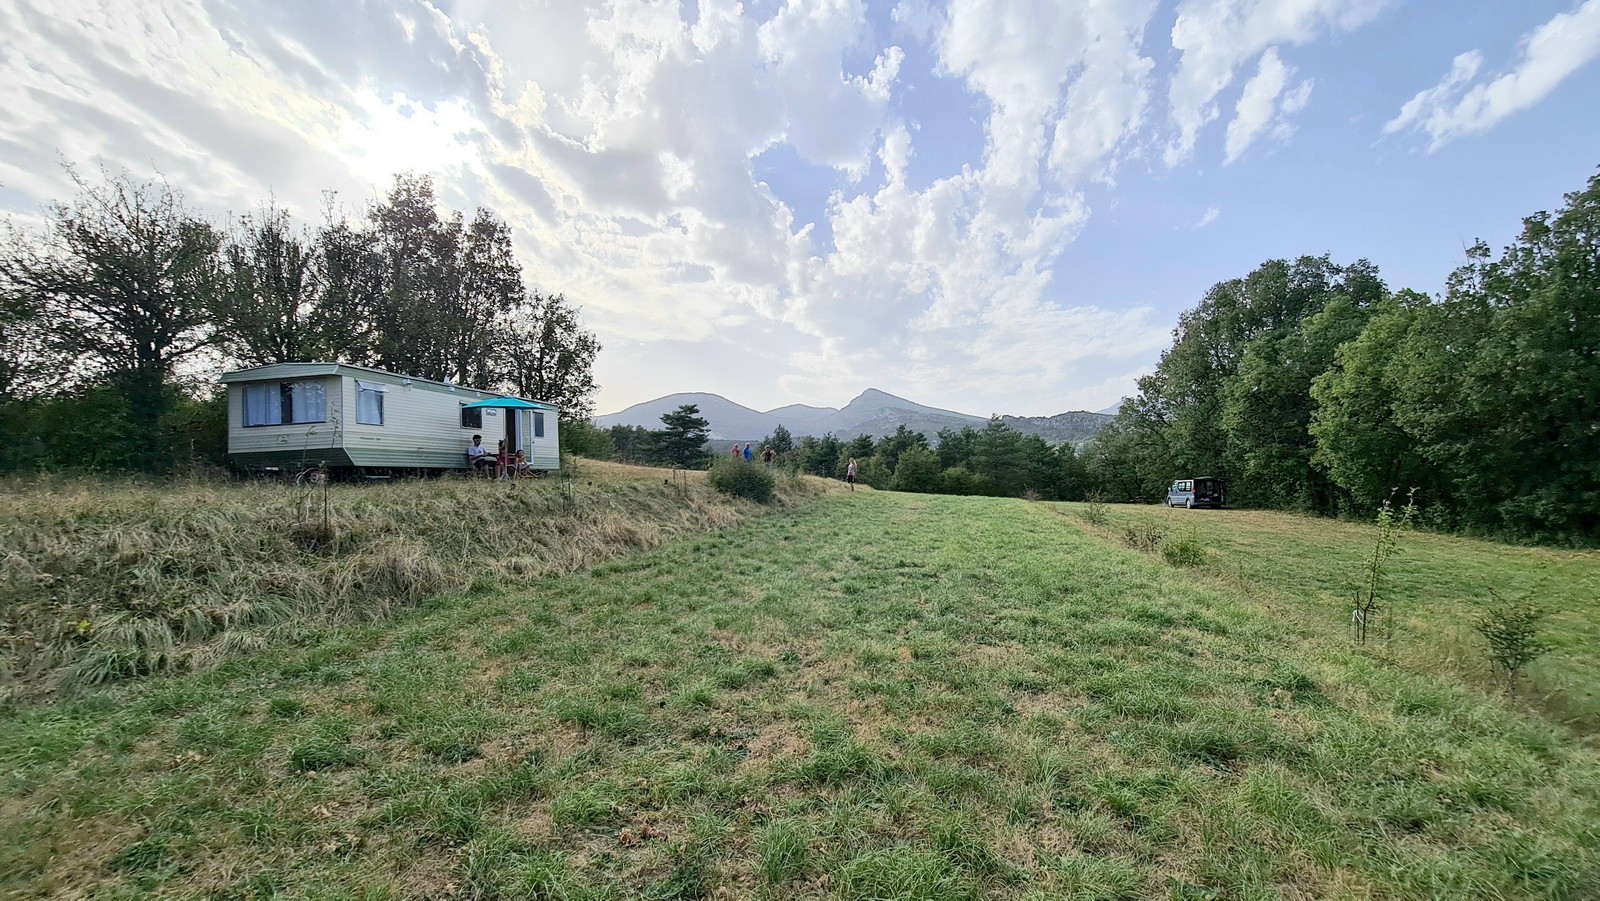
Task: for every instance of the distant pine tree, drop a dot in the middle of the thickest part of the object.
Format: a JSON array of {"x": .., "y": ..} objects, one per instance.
[{"x": 682, "y": 441}]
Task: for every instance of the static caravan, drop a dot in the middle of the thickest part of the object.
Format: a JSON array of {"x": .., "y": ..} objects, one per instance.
[{"x": 291, "y": 416}]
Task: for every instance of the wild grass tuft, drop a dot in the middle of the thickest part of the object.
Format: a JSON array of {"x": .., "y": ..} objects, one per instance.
[
  {"x": 785, "y": 852},
  {"x": 1184, "y": 550},
  {"x": 905, "y": 874}
]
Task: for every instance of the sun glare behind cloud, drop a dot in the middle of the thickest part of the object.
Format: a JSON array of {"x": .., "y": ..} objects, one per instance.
[{"x": 401, "y": 135}]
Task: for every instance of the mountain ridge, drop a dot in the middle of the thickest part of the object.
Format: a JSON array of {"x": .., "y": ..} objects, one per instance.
[{"x": 872, "y": 412}]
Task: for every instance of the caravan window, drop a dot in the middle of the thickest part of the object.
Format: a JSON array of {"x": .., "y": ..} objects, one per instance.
[
  {"x": 472, "y": 419},
  {"x": 538, "y": 424},
  {"x": 369, "y": 403},
  {"x": 283, "y": 403}
]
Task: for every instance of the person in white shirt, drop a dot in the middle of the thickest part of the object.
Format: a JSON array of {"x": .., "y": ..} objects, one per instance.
[{"x": 478, "y": 455}]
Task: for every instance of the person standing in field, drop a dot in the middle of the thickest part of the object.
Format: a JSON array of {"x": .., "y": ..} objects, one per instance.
[
  {"x": 850, "y": 474},
  {"x": 768, "y": 455},
  {"x": 747, "y": 453},
  {"x": 735, "y": 450}
]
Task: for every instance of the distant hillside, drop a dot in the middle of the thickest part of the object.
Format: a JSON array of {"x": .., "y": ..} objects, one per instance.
[
  {"x": 800, "y": 415},
  {"x": 729, "y": 421},
  {"x": 873, "y": 412},
  {"x": 1063, "y": 428},
  {"x": 878, "y": 413}
]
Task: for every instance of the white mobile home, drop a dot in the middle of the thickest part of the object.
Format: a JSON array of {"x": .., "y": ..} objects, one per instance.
[{"x": 299, "y": 415}]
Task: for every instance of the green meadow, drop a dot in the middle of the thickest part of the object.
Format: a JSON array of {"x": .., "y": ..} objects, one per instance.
[{"x": 873, "y": 696}]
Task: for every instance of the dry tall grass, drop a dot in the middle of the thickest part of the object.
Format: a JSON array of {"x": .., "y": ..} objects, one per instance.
[{"x": 102, "y": 580}]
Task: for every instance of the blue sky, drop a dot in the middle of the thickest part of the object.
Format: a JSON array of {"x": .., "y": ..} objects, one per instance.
[{"x": 988, "y": 207}]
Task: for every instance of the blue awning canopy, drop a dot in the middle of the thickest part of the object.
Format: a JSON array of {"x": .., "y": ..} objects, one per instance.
[{"x": 505, "y": 403}]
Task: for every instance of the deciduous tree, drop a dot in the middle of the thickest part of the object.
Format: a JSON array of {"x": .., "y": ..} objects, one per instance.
[
  {"x": 548, "y": 354},
  {"x": 127, "y": 278}
]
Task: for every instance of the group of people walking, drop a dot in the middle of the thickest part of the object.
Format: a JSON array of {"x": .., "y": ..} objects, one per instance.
[{"x": 768, "y": 455}]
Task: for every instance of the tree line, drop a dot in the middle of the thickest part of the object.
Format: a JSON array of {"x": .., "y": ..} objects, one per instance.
[
  {"x": 1310, "y": 386},
  {"x": 996, "y": 460},
  {"x": 117, "y": 314}
]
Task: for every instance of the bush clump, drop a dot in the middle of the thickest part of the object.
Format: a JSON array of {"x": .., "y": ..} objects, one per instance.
[
  {"x": 1143, "y": 536},
  {"x": 1184, "y": 551},
  {"x": 741, "y": 479},
  {"x": 1512, "y": 630}
]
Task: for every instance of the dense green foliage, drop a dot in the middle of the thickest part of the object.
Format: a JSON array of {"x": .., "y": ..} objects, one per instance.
[
  {"x": 995, "y": 460},
  {"x": 116, "y": 317},
  {"x": 1310, "y": 386},
  {"x": 736, "y": 478}
]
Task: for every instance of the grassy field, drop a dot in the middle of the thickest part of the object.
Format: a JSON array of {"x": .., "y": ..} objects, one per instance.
[
  {"x": 1307, "y": 568},
  {"x": 872, "y": 695},
  {"x": 103, "y": 581}
]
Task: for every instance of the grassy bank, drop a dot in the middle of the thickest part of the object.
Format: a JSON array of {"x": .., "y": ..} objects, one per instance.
[
  {"x": 873, "y": 696},
  {"x": 105, "y": 580},
  {"x": 1306, "y": 569}
]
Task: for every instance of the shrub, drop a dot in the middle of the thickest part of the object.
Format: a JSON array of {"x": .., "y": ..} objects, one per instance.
[
  {"x": 1185, "y": 551},
  {"x": 1094, "y": 511},
  {"x": 1143, "y": 536},
  {"x": 957, "y": 480},
  {"x": 1512, "y": 630},
  {"x": 873, "y": 472},
  {"x": 741, "y": 479}
]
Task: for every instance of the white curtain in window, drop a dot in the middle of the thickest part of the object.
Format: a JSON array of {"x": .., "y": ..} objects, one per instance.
[
  {"x": 369, "y": 403},
  {"x": 309, "y": 402},
  {"x": 263, "y": 404}
]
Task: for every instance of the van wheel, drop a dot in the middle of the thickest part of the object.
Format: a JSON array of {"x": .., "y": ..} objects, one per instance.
[{"x": 1188, "y": 503}]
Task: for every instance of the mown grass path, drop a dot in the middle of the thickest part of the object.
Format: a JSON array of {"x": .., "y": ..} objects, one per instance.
[{"x": 874, "y": 696}]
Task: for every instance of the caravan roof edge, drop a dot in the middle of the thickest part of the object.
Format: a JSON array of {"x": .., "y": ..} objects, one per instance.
[{"x": 311, "y": 369}]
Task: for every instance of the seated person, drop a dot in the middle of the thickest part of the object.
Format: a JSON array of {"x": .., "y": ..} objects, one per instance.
[{"x": 478, "y": 455}]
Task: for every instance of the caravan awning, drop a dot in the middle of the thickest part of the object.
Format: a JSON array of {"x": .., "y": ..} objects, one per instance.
[{"x": 506, "y": 403}]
